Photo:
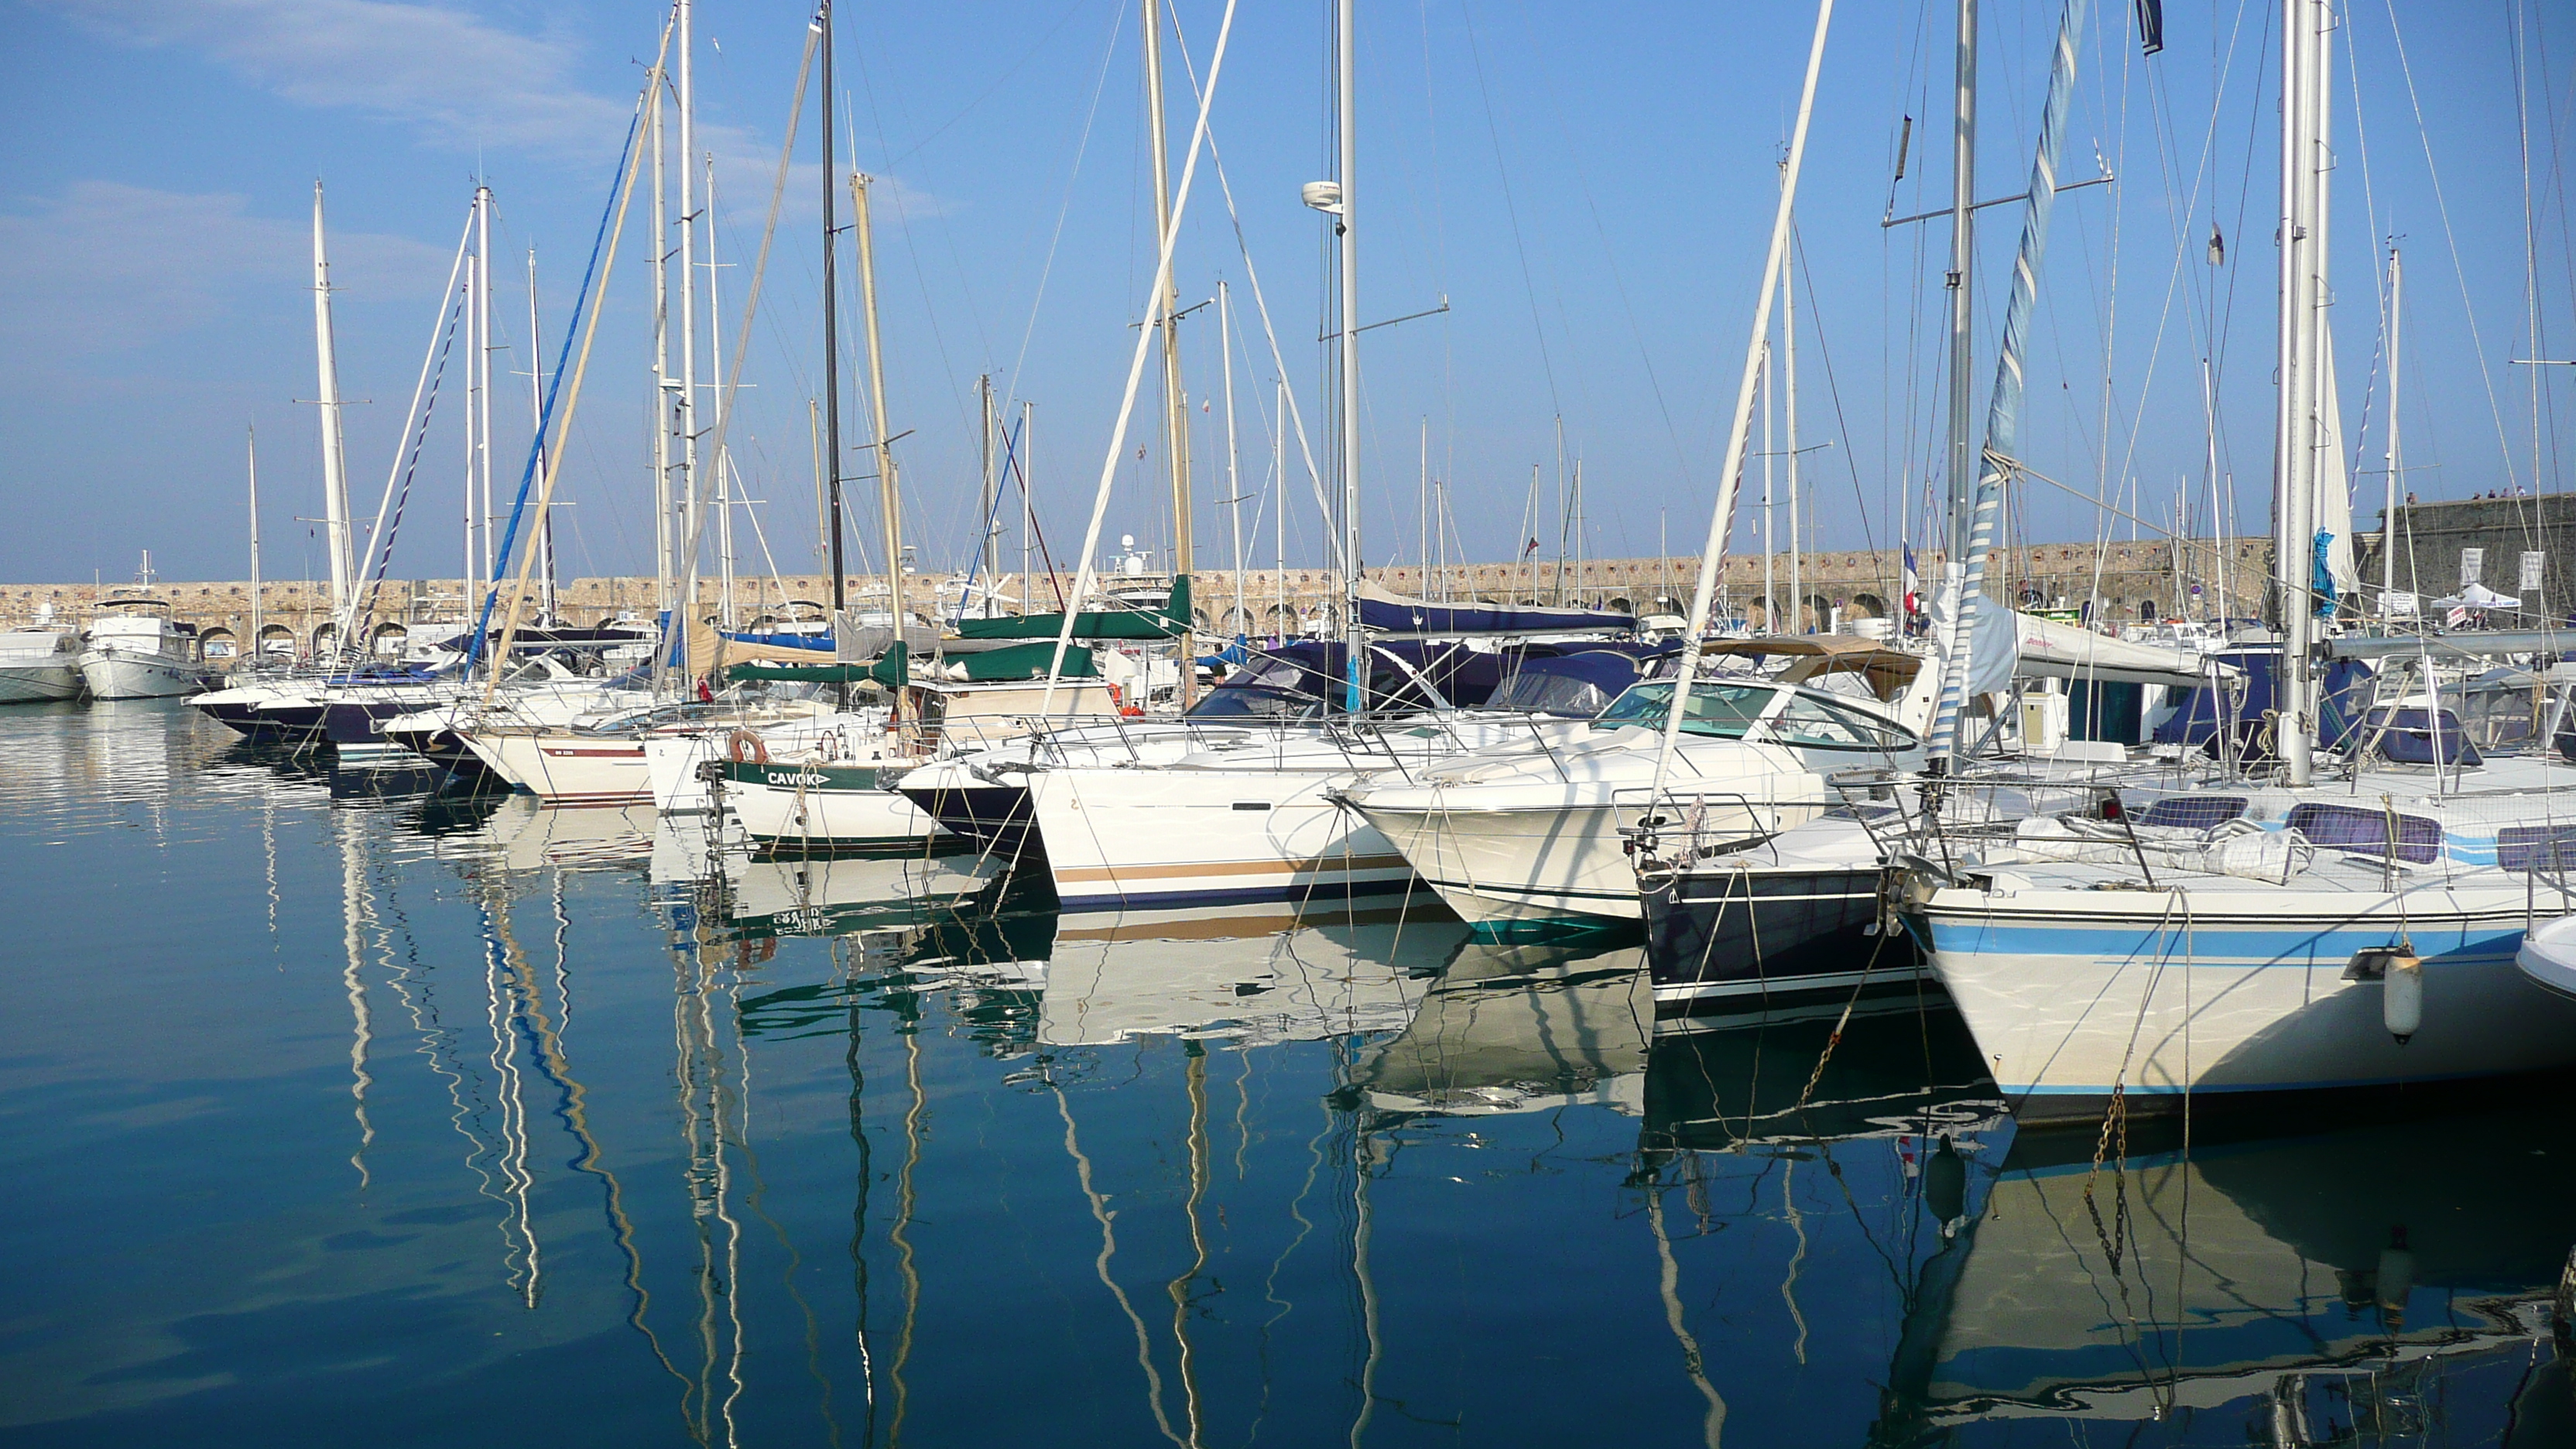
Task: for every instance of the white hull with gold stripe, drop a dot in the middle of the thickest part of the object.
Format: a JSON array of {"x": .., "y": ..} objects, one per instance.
[
  {"x": 1181, "y": 835},
  {"x": 567, "y": 768}
]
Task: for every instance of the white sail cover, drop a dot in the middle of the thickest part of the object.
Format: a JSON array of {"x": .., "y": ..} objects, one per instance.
[
  {"x": 2334, "y": 495},
  {"x": 2051, "y": 650},
  {"x": 1990, "y": 665}
]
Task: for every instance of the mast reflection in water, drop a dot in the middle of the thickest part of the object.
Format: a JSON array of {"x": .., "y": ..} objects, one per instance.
[{"x": 381, "y": 1117}]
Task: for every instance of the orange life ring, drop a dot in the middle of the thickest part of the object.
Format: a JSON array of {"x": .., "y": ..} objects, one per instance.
[{"x": 745, "y": 748}]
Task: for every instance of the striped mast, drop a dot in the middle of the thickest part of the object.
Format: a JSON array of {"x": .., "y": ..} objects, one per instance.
[{"x": 2003, "y": 413}]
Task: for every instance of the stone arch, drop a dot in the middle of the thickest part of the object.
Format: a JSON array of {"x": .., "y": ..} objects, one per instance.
[
  {"x": 1868, "y": 606},
  {"x": 323, "y": 634},
  {"x": 1622, "y": 606},
  {"x": 276, "y": 639},
  {"x": 2147, "y": 611},
  {"x": 390, "y": 632},
  {"x": 219, "y": 643}
]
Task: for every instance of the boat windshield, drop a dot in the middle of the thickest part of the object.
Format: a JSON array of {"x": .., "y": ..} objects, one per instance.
[
  {"x": 1257, "y": 701},
  {"x": 1718, "y": 711}
]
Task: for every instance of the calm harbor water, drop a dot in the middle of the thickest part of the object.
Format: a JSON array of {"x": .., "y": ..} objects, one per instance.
[{"x": 343, "y": 1114}]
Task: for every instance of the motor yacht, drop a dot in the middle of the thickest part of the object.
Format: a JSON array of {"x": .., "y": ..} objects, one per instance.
[
  {"x": 39, "y": 665},
  {"x": 139, "y": 650},
  {"x": 1534, "y": 834}
]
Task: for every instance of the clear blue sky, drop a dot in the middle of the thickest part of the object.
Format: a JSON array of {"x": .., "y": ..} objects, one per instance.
[{"x": 1588, "y": 186}]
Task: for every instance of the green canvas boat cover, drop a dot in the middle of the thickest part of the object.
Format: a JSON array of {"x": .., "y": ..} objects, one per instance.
[
  {"x": 893, "y": 670},
  {"x": 1026, "y": 661},
  {"x": 1173, "y": 622}
]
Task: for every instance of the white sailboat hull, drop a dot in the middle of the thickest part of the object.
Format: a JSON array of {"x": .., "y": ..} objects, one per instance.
[
  {"x": 793, "y": 807},
  {"x": 568, "y": 770},
  {"x": 2071, "y": 993},
  {"x": 2548, "y": 956}
]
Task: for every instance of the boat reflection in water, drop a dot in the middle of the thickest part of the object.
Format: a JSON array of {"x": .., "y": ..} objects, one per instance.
[
  {"x": 2374, "y": 1283},
  {"x": 1254, "y": 975},
  {"x": 588, "y": 1115},
  {"x": 1519, "y": 1029}
]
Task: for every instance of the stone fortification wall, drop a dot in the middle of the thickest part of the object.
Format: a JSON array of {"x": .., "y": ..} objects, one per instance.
[
  {"x": 2431, "y": 538},
  {"x": 2126, "y": 580}
]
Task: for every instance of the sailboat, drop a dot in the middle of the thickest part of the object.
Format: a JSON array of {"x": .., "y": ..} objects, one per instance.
[
  {"x": 2280, "y": 930},
  {"x": 2296, "y": 1289}
]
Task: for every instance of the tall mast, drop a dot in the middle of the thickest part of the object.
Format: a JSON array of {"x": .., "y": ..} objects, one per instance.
[
  {"x": 1789, "y": 422},
  {"x": 257, "y": 621},
  {"x": 889, "y": 490},
  {"x": 1176, "y": 402},
  {"x": 988, "y": 558},
  {"x": 471, "y": 560},
  {"x": 1028, "y": 510},
  {"x": 1770, "y": 579},
  {"x": 1279, "y": 509},
  {"x": 1963, "y": 260},
  {"x": 1233, "y": 455},
  {"x": 1347, "y": 115},
  {"x": 481, "y": 360},
  {"x": 335, "y": 467},
  {"x": 1721, "y": 521},
  {"x": 684, "y": 403},
  {"x": 663, "y": 382},
  {"x": 715, "y": 369},
  {"x": 2303, "y": 267},
  {"x": 831, "y": 336},
  {"x": 1422, "y": 504},
  {"x": 2388, "y": 517},
  {"x": 1975, "y": 613},
  {"x": 536, "y": 411}
]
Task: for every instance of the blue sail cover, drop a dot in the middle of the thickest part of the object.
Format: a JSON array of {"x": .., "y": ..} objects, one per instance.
[
  {"x": 2201, "y": 711},
  {"x": 1392, "y": 613}
]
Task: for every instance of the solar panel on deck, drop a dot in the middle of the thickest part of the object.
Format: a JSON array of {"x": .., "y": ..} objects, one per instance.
[
  {"x": 2540, "y": 847},
  {"x": 2193, "y": 812},
  {"x": 2366, "y": 832}
]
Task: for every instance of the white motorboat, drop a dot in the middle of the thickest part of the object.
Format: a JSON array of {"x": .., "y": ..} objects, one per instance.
[
  {"x": 1535, "y": 835},
  {"x": 39, "y": 665},
  {"x": 600, "y": 761},
  {"x": 138, "y": 650},
  {"x": 1253, "y": 809}
]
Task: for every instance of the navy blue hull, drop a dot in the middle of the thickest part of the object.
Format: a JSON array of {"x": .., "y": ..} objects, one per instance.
[{"x": 1719, "y": 934}]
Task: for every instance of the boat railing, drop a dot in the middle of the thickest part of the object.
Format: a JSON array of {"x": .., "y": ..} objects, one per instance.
[
  {"x": 1675, "y": 827},
  {"x": 1939, "y": 821},
  {"x": 2552, "y": 863}
]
